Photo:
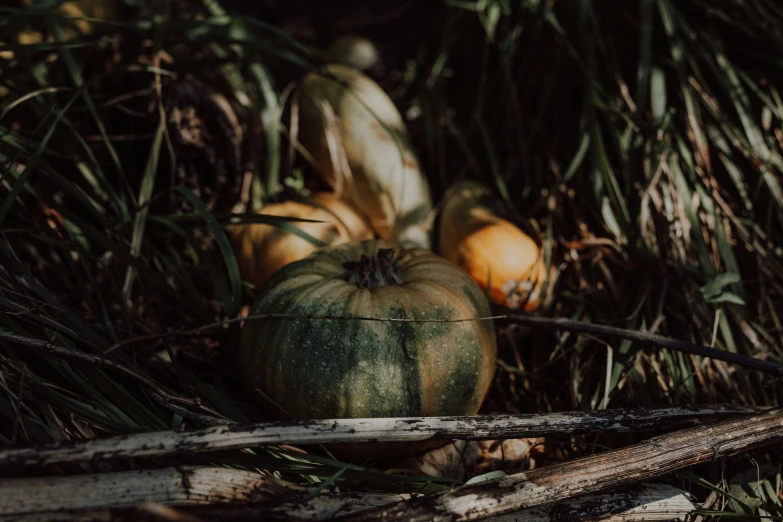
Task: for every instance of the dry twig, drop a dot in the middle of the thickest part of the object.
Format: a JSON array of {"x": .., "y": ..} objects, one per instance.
[
  {"x": 227, "y": 494},
  {"x": 557, "y": 324},
  {"x": 410, "y": 429}
]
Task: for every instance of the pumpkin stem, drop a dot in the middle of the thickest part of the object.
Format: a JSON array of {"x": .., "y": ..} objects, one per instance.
[{"x": 373, "y": 271}]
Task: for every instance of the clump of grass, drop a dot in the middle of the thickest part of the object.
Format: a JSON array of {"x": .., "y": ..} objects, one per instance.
[
  {"x": 639, "y": 141},
  {"x": 119, "y": 175}
]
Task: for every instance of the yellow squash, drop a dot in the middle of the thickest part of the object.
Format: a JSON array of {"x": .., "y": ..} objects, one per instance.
[{"x": 358, "y": 143}]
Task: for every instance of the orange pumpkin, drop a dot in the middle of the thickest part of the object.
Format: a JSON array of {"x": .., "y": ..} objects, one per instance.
[
  {"x": 357, "y": 226},
  {"x": 496, "y": 253},
  {"x": 263, "y": 249}
]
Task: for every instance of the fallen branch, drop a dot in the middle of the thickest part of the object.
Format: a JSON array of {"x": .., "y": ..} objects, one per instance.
[
  {"x": 190, "y": 485},
  {"x": 648, "y": 502},
  {"x": 640, "y": 462},
  {"x": 231, "y": 494},
  {"x": 411, "y": 429}
]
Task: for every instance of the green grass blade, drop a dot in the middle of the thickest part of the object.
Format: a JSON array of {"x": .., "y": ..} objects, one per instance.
[
  {"x": 145, "y": 193},
  {"x": 229, "y": 259}
]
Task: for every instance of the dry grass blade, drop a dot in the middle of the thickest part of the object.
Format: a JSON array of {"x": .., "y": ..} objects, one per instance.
[
  {"x": 62, "y": 351},
  {"x": 650, "y": 339}
]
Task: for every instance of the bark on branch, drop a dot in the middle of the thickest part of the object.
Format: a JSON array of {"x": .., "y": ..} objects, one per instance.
[{"x": 234, "y": 436}]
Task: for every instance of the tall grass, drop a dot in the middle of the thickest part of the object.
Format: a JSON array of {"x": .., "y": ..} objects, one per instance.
[{"x": 640, "y": 142}]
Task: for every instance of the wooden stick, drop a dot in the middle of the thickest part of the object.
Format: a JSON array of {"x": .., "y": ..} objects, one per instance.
[
  {"x": 226, "y": 437},
  {"x": 640, "y": 462},
  {"x": 648, "y": 502}
]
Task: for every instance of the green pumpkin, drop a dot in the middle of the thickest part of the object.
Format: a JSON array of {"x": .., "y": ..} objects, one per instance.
[{"x": 323, "y": 368}]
